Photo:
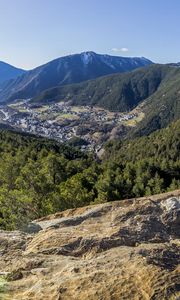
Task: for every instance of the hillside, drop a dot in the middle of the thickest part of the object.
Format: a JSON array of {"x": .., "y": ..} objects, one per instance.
[
  {"x": 66, "y": 70},
  {"x": 162, "y": 144},
  {"x": 120, "y": 250},
  {"x": 162, "y": 107},
  {"x": 39, "y": 176},
  {"x": 8, "y": 72}
]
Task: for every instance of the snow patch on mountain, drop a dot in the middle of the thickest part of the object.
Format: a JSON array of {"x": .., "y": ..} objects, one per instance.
[{"x": 86, "y": 57}]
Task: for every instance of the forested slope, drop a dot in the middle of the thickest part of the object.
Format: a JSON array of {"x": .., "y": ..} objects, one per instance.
[
  {"x": 162, "y": 107},
  {"x": 120, "y": 92},
  {"x": 38, "y": 176}
]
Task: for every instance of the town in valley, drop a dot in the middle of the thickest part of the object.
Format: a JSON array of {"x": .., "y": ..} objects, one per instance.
[{"x": 89, "y": 126}]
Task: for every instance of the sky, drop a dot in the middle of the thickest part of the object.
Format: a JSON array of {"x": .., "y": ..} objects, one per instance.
[{"x": 33, "y": 32}]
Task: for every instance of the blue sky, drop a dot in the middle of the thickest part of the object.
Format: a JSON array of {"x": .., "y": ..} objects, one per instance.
[{"x": 33, "y": 32}]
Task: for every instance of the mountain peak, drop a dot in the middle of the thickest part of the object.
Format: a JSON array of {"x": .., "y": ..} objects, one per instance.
[{"x": 87, "y": 56}]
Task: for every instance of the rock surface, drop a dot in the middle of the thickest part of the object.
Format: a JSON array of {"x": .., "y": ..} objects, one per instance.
[{"x": 121, "y": 250}]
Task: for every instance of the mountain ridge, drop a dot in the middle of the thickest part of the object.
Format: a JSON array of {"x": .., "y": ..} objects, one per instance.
[
  {"x": 66, "y": 70},
  {"x": 8, "y": 72}
]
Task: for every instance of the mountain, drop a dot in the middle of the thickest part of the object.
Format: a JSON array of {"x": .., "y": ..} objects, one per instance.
[
  {"x": 8, "y": 72},
  {"x": 66, "y": 70},
  {"x": 119, "y": 250},
  {"x": 155, "y": 88}
]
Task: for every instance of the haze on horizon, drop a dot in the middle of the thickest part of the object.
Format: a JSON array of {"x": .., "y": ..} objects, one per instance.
[{"x": 35, "y": 32}]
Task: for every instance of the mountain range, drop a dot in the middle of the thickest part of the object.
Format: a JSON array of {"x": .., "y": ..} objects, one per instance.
[{"x": 67, "y": 70}]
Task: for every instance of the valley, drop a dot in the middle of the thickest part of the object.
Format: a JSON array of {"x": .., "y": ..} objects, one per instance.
[
  {"x": 85, "y": 126},
  {"x": 89, "y": 150}
]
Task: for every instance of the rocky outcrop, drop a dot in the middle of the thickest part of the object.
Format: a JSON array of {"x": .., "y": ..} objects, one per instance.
[{"x": 121, "y": 250}]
